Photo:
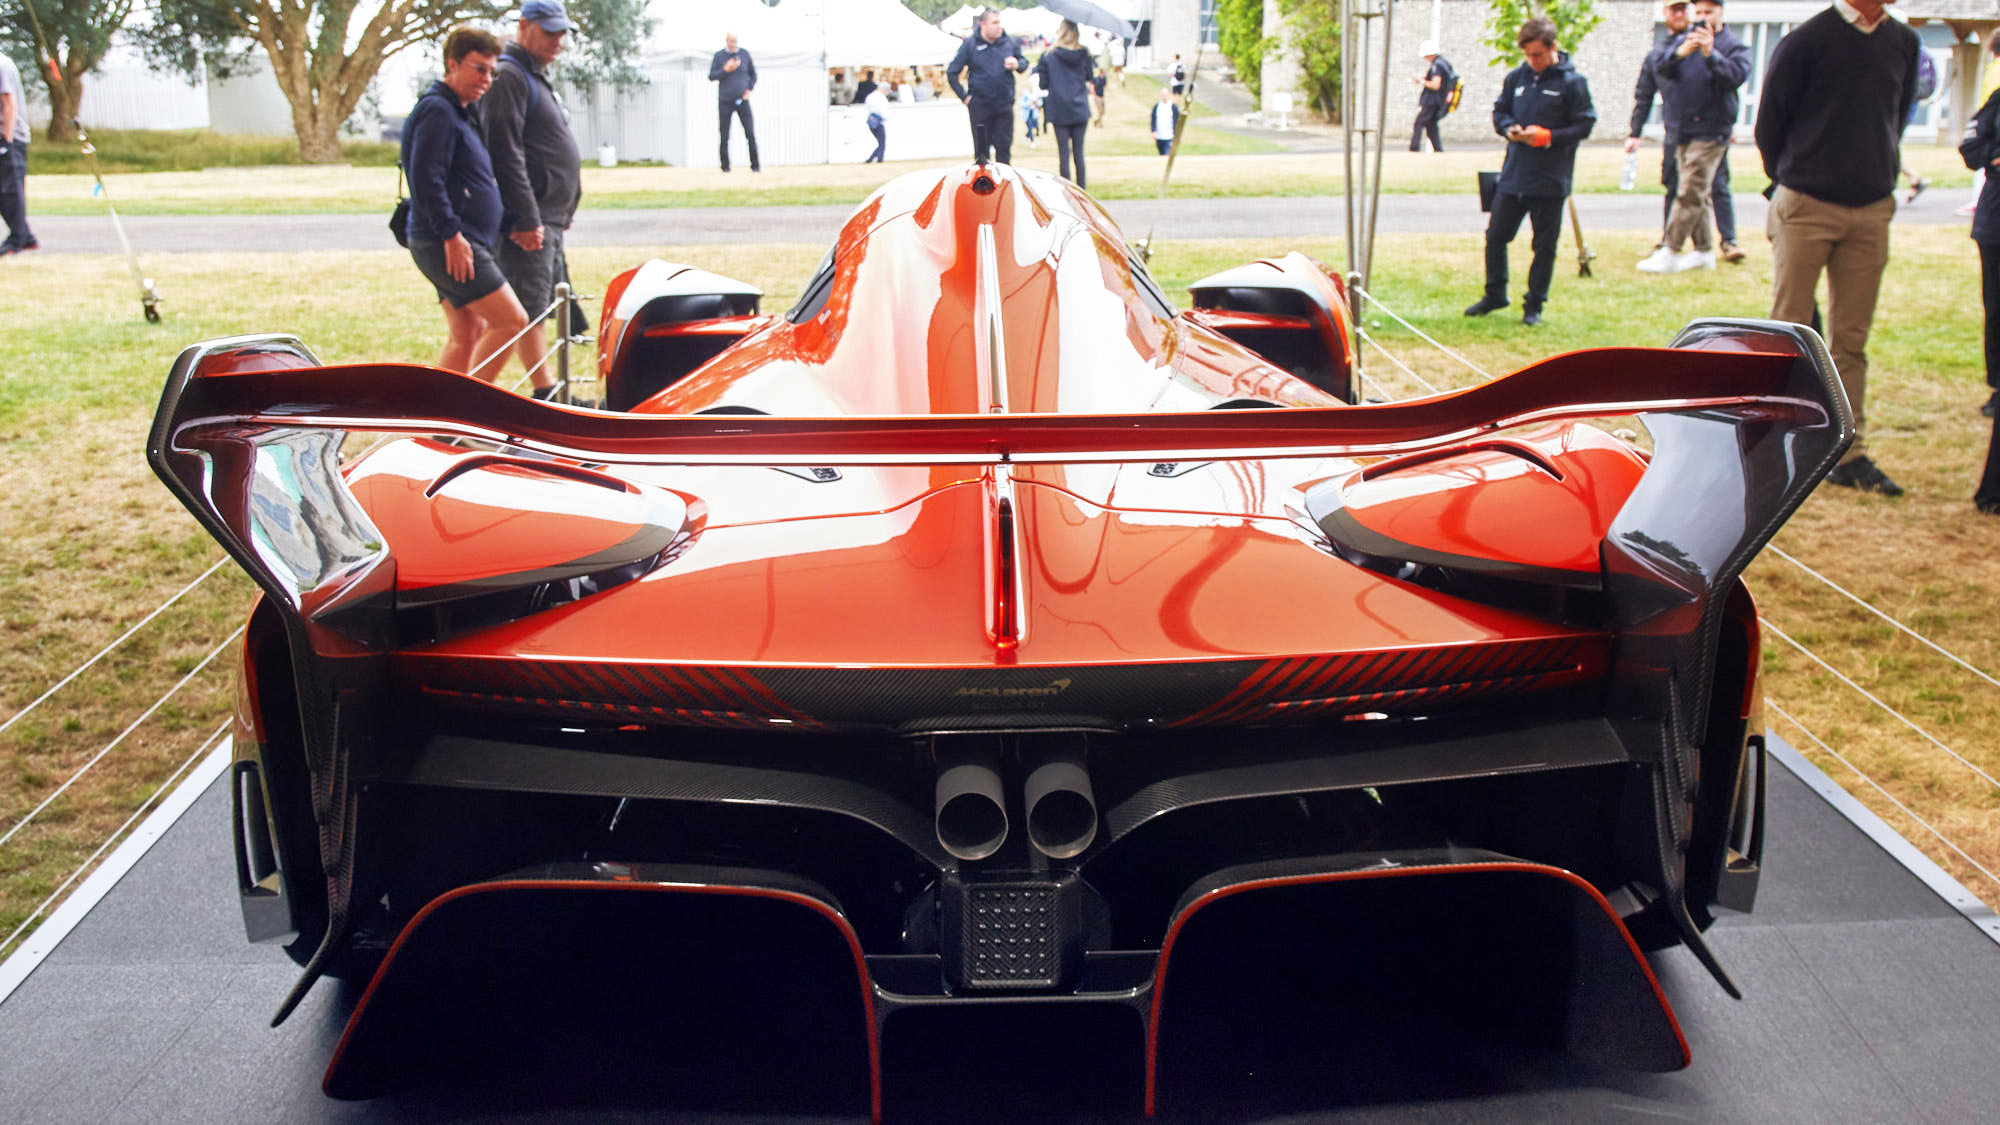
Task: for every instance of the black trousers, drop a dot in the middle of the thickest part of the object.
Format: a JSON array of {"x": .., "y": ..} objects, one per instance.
[
  {"x": 738, "y": 108},
  {"x": 1989, "y": 293},
  {"x": 1719, "y": 198},
  {"x": 1545, "y": 215},
  {"x": 14, "y": 194},
  {"x": 992, "y": 130},
  {"x": 1428, "y": 117},
  {"x": 1069, "y": 148}
]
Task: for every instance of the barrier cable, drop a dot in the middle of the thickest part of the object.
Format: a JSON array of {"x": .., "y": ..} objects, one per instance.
[
  {"x": 1886, "y": 795},
  {"x": 1423, "y": 335},
  {"x": 1898, "y": 715},
  {"x": 1858, "y": 600},
  {"x": 1405, "y": 368},
  {"x": 106, "y": 650},
  {"x": 165, "y": 787},
  {"x": 113, "y": 744}
]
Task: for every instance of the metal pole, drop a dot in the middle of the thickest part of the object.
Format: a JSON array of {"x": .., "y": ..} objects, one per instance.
[
  {"x": 563, "y": 307},
  {"x": 1381, "y": 132}
]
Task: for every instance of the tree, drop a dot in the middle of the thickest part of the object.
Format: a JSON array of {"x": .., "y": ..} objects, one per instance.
[
  {"x": 324, "y": 53},
  {"x": 78, "y": 32},
  {"x": 1239, "y": 34},
  {"x": 1574, "y": 19},
  {"x": 1312, "y": 27}
]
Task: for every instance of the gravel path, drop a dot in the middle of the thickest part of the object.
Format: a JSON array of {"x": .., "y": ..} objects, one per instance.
[{"x": 1307, "y": 217}]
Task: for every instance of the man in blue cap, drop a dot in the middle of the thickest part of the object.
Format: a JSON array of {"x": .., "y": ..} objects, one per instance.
[{"x": 535, "y": 159}]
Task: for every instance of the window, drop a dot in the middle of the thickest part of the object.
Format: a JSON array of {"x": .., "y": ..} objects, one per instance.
[{"x": 1208, "y": 33}]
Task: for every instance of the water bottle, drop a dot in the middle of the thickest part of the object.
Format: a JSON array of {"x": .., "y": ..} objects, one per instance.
[{"x": 1629, "y": 177}]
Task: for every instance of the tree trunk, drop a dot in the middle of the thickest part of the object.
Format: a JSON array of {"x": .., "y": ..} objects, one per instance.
[
  {"x": 319, "y": 141},
  {"x": 64, "y": 99}
]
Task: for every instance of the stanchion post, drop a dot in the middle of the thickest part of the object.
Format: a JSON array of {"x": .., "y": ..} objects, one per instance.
[
  {"x": 563, "y": 305},
  {"x": 1357, "y": 310}
]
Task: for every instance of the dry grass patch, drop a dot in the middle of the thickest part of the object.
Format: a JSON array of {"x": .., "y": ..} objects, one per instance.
[{"x": 93, "y": 542}]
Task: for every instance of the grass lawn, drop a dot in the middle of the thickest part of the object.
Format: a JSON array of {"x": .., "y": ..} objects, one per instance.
[{"x": 93, "y": 542}]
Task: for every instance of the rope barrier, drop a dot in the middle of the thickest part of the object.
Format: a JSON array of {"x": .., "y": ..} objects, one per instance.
[
  {"x": 113, "y": 744},
  {"x": 1405, "y": 368},
  {"x": 1898, "y": 715},
  {"x": 1886, "y": 795},
  {"x": 1421, "y": 334},
  {"x": 106, "y": 650},
  {"x": 1858, "y": 600},
  {"x": 164, "y": 788}
]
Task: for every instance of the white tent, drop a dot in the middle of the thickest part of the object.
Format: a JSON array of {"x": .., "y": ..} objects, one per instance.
[{"x": 793, "y": 43}]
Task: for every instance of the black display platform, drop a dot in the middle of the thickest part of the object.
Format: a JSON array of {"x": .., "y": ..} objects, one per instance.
[{"x": 1868, "y": 997}]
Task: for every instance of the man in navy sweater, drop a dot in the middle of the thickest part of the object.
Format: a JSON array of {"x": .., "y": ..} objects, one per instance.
[
  {"x": 993, "y": 57},
  {"x": 1544, "y": 111},
  {"x": 1829, "y": 119},
  {"x": 735, "y": 75}
]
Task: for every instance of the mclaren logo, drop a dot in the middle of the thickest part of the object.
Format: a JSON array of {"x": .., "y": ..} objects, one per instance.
[{"x": 1053, "y": 687}]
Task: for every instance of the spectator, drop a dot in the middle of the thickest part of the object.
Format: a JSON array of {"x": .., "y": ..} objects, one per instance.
[
  {"x": 1435, "y": 81},
  {"x": 535, "y": 158},
  {"x": 993, "y": 57},
  {"x": 1031, "y": 104},
  {"x": 455, "y": 217},
  {"x": 1830, "y": 116},
  {"x": 1097, "y": 97},
  {"x": 1065, "y": 73},
  {"x": 14, "y": 136},
  {"x": 1989, "y": 80},
  {"x": 1179, "y": 76},
  {"x": 864, "y": 87},
  {"x": 1981, "y": 149},
  {"x": 1166, "y": 121},
  {"x": 735, "y": 75},
  {"x": 1698, "y": 73},
  {"x": 1118, "y": 54},
  {"x": 877, "y": 103},
  {"x": 1544, "y": 111},
  {"x": 1674, "y": 13}
]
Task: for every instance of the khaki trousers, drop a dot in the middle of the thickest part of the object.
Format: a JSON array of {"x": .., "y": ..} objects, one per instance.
[
  {"x": 1696, "y": 162},
  {"x": 1851, "y": 244}
]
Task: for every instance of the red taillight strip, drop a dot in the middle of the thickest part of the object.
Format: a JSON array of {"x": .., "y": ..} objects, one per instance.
[
  {"x": 1217, "y": 895},
  {"x": 823, "y": 909}
]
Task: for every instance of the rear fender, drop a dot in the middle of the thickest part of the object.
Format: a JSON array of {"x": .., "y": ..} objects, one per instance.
[
  {"x": 663, "y": 320},
  {"x": 1289, "y": 310}
]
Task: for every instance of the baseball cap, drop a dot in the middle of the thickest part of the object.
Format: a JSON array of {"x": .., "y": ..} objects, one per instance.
[
  {"x": 1673, "y": 4},
  {"x": 549, "y": 15},
  {"x": 1427, "y": 48}
]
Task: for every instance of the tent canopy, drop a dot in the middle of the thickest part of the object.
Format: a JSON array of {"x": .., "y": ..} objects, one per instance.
[{"x": 835, "y": 33}]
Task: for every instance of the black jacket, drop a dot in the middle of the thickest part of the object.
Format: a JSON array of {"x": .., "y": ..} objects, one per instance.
[
  {"x": 1979, "y": 148},
  {"x": 1439, "y": 69},
  {"x": 1065, "y": 75},
  {"x": 1557, "y": 99},
  {"x": 1644, "y": 91},
  {"x": 732, "y": 84},
  {"x": 534, "y": 154},
  {"x": 1700, "y": 92},
  {"x": 991, "y": 80}
]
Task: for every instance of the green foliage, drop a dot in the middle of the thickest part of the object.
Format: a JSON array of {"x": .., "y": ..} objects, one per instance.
[
  {"x": 1239, "y": 27},
  {"x": 932, "y": 11},
  {"x": 1574, "y": 19},
  {"x": 76, "y": 33},
  {"x": 1312, "y": 28}
]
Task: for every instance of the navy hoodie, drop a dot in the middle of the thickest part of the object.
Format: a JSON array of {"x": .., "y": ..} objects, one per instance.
[
  {"x": 991, "y": 80},
  {"x": 1557, "y": 99}
]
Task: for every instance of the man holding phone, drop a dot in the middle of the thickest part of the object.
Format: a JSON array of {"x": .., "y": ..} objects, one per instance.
[{"x": 1698, "y": 77}]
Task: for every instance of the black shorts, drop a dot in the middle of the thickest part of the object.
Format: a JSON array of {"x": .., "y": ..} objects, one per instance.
[{"x": 429, "y": 257}]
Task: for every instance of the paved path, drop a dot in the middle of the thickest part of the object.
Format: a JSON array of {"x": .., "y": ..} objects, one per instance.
[{"x": 1262, "y": 217}]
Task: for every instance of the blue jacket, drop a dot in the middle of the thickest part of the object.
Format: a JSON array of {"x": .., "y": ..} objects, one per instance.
[
  {"x": 1557, "y": 99},
  {"x": 1065, "y": 75},
  {"x": 991, "y": 80},
  {"x": 1700, "y": 93},
  {"x": 731, "y": 85},
  {"x": 452, "y": 190},
  {"x": 1646, "y": 89}
]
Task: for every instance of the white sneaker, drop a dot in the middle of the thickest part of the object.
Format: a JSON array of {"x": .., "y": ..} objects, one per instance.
[
  {"x": 1694, "y": 260},
  {"x": 1661, "y": 261}
]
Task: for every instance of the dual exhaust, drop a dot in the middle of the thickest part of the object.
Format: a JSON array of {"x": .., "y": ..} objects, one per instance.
[{"x": 1056, "y": 798}]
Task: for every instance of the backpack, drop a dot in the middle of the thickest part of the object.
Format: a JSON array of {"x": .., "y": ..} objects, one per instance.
[{"x": 1927, "y": 76}]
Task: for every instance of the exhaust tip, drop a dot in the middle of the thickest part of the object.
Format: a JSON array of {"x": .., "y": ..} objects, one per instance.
[
  {"x": 971, "y": 808},
  {"x": 1062, "y": 811}
]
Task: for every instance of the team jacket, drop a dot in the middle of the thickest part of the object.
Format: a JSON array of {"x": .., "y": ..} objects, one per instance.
[
  {"x": 1557, "y": 99},
  {"x": 1980, "y": 146},
  {"x": 1699, "y": 94},
  {"x": 991, "y": 80}
]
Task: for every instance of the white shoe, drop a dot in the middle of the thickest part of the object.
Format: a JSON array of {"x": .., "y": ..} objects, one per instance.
[
  {"x": 1694, "y": 260},
  {"x": 1661, "y": 261}
]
